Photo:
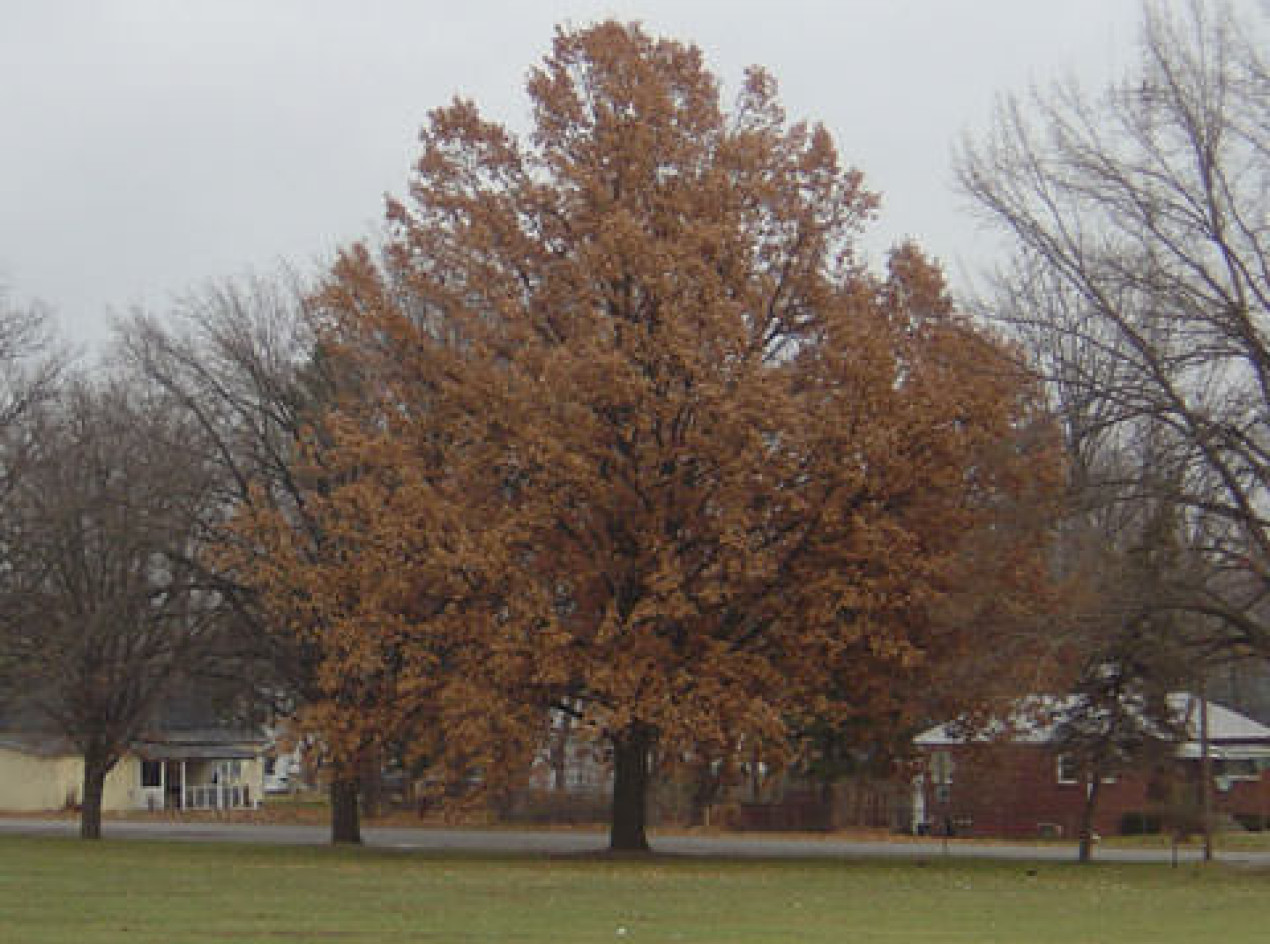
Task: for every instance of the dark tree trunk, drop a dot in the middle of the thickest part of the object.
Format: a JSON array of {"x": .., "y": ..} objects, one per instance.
[
  {"x": 1087, "y": 819},
  {"x": 96, "y": 767},
  {"x": 346, "y": 823},
  {"x": 371, "y": 785},
  {"x": 632, "y": 751}
]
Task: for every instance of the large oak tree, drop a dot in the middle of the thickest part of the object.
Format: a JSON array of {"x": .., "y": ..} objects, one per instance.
[{"x": 636, "y": 436}]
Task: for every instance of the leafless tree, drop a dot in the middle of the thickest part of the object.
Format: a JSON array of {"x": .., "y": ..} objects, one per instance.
[
  {"x": 1127, "y": 644},
  {"x": 239, "y": 361},
  {"x": 101, "y": 605},
  {"x": 31, "y": 364},
  {"x": 1140, "y": 220}
]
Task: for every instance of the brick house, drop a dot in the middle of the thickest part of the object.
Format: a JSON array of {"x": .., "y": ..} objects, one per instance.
[{"x": 1014, "y": 782}]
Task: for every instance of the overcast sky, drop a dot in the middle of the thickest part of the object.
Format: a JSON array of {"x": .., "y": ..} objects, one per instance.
[{"x": 149, "y": 145}]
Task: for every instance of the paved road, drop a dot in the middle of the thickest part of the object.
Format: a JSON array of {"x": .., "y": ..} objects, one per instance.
[{"x": 579, "y": 841}]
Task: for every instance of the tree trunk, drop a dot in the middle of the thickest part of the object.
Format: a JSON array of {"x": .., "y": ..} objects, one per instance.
[
  {"x": 559, "y": 753},
  {"x": 95, "y": 769},
  {"x": 631, "y": 769},
  {"x": 705, "y": 791},
  {"x": 1087, "y": 818},
  {"x": 371, "y": 784},
  {"x": 346, "y": 824}
]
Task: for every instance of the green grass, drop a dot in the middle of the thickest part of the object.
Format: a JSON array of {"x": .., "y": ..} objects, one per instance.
[
  {"x": 55, "y": 890},
  {"x": 1232, "y": 840}
]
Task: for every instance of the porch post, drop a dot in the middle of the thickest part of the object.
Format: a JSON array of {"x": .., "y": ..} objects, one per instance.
[{"x": 185, "y": 785}]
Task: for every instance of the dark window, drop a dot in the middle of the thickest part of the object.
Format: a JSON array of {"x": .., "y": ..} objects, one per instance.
[
  {"x": 1068, "y": 769},
  {"x": 941, "y": 767},
  {"x": 1236, "y": 769},
  {"x": 152, "y": 773}
]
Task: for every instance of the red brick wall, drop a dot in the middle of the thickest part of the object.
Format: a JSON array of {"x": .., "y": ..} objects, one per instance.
[
  {"x": 1013, "y": 791},
  {"x": 1248, "y": 798}
]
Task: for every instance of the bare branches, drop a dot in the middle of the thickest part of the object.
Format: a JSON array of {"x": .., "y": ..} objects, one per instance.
[
  {"x": 240, "y": 364},
  {"x": 1141, "y": 280},
  {"x": 100, "y": 606},
  {"x": 31, "y": 366}
]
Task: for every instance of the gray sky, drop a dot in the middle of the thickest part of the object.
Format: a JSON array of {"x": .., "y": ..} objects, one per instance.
[{"x": 150, "y": 145}]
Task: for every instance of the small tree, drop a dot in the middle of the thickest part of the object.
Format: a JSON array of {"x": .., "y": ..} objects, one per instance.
[
  {"x": 1119, "y": 716},
  {"x": 100, "y": 605}
]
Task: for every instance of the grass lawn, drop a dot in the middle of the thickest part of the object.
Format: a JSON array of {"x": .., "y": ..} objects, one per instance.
[{"x": 62, "y": 890}]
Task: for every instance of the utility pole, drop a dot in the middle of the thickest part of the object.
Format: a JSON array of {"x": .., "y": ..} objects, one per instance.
[{"x": 1205, "y": 774}]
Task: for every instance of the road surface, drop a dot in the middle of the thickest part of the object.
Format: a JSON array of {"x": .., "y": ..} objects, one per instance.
[{"x": 575, "y": 842}]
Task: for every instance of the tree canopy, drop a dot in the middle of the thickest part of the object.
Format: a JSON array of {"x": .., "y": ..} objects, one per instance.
[{"x": 629, "y": 431}]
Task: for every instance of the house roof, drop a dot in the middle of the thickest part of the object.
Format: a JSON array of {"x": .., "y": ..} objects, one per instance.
[
  {"x": 201, "y": 744},
  {"x": 1035, "y": 719},
  {"x": 40, "y": 745},
  {"x": 154, "y": 751},
  {"x": 209, "y": 736}
]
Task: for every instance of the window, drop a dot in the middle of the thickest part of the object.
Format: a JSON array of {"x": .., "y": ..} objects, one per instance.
[
  {"x": 1068, "y": 769},
  {"x": 941, "y": 768},
  {"x": 1236, "y": 769},
  {"x": 152, "y": 773}
]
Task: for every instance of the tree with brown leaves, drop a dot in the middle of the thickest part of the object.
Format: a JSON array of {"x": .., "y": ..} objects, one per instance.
[{"x": 636, "y": 436}]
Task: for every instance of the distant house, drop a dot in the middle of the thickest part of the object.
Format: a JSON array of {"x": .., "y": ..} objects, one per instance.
[
  {"x": 571, "y": 762},
  {"x": 1015, "y": 781},
  {"x": 192, "y": 769}
]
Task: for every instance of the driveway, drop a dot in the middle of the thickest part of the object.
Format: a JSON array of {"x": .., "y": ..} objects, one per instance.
[{"x": 570, "y": 842}]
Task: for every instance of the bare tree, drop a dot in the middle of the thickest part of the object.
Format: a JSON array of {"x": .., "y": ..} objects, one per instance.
[
  {"x": 1128, "y": 652},
  {"x": 1141, "y": 280},
  {"x": 239, "y": 361},
  {"x": 100, "y": 603},
  {"x": 31, "y": 363}
]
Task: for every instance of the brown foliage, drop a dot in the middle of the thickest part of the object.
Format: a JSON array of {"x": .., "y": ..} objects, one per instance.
[{"x": 634, "y": 432}]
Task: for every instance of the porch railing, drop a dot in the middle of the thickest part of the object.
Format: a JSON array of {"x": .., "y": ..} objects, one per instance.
[{"x": 217, "y": 796}]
